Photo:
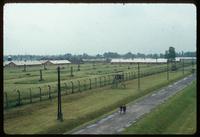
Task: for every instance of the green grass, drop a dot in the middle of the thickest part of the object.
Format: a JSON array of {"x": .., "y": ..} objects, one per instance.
[
  {"x": 78, "y": 108},
  {"x": 15, "y": 78},
  {"x": 176, "y": 116}
]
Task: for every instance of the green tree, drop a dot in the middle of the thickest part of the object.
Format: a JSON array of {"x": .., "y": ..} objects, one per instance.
[{"x": 171, "y": 54}]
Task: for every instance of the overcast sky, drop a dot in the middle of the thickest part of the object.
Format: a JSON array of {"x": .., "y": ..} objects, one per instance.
[{"x": 43, "y": 29}]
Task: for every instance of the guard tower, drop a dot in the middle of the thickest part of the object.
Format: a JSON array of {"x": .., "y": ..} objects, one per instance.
[
  {"x": 118, "y": 80},
  {"x": 9, "y": 58}
]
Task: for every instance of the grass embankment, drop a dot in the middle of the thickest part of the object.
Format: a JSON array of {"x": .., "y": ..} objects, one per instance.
[
  {"x": 176, "y": 116},
  {"x": 78, "y": 108}
]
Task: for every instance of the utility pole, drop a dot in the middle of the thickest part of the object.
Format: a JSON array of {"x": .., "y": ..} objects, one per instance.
[
  {"x": 183, "y": 66},
  {"x": 59, "y": 116},
  {"x": 138, "y": 75},
  {"x": 167, "y": 70}
]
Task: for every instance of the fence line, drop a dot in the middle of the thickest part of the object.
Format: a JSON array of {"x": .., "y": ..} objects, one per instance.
[{"x": 92, "y": 83}]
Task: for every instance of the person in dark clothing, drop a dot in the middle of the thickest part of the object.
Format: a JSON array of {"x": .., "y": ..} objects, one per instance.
[
  {"x": 124, "y": 109},
  {"x": 121, "y": 108}
]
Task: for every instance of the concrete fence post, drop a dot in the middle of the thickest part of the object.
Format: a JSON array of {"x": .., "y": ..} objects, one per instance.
[
  {"x": 109, "y": 79},
  {"x": 84, "y": 84},
  {"x": 95, "y": 82},
  {"x": 49, "y": 91},
  {"x": 100, "y": 81},
  {"x": 72, "y": 87},
  {"x": 66, "y": 87},
  {"x": 131, "y": 75},
  {"x": 40, "y": 93},
  {"x": 40, "y": 75},
  {"x": 19, "y": 98},
  {"x": 104, "y": 80},
  {"x": 90, "y": 83},
  {"x": 71, "y": 72},
  {"x": 25, "y": 67},
  {"x": 6, "y": 99},
  {"x": 30, "y": 95},
  {"x": 79, "y": 89}
]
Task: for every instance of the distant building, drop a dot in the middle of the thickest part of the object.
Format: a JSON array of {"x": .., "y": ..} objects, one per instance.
[
  {"x": 185, "y": 58},
  {"x": 35, "y": 63},
  {"x": 94, "y": 60},
  {"x": 22, "y": 63},
  {"x": 138, "y": 60},
  {"x": 57, "y": 62}
]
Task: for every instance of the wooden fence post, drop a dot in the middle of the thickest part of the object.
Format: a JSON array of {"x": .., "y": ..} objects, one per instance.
[{"x": 30, "y": 95}]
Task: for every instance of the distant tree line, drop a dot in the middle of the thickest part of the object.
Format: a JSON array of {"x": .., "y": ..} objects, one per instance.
[{"x": 107, "y": 55}]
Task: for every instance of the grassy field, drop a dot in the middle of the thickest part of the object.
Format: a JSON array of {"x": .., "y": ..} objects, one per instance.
[
  {"x": 15, "y": 78},
  {"x": 79, "y": 108},
  {"x": 176, "y": 116}
]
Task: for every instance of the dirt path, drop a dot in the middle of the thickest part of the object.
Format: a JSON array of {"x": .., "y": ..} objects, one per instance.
[{"x": 115, "y": 123}]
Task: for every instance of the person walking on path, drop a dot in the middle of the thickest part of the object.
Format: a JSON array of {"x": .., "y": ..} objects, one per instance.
[
  {"x": 124, "y": 109},
  {"x": 121, "y": 109}
]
